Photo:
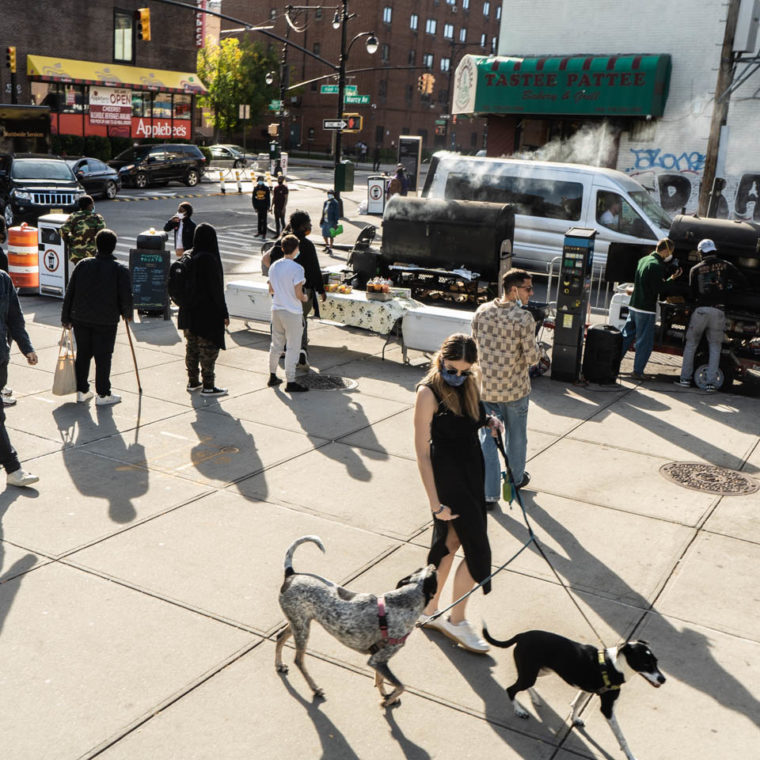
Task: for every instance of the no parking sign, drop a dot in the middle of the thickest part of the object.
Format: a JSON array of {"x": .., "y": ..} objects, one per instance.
[{"x": 375, "y": 195}]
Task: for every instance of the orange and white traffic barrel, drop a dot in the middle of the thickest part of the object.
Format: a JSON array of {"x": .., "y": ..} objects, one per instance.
[{"x": 23, "y": 257}]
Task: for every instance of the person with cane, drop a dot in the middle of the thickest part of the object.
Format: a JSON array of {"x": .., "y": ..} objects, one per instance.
[{"x": 98, "y": 295}]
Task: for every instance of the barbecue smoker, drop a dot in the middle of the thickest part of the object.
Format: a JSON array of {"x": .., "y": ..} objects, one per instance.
[
  {"x": 739, "y": 243},
  {"x": 453, "y": 252}
]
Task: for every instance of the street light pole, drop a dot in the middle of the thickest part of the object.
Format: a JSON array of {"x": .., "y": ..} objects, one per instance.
[{"x": 341, "y": 94}]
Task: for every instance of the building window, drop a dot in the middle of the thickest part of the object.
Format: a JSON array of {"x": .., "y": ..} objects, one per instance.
[
  {"x": 314, "y": 86},
  {"x": 451, "y": 2},
  {"x": 385, "y": 51},
  {"x": 463, "y": 34},
  {"x": 494, "y": 42},
  {"x": 486, "y": 8},
  {"x": 448, "y": 31},
  {"x": 445, "y": 64},
  {"x": 387, "y": 14},
  {"x": 412, "y": 57},
  {"x": 498, "y": 13},
  {"x": 382, "y": 88},
  {"x": 141, "y": 104},
  {"x": 73, "y": 100},
  {"x": 431, "y": 25},
  {"x": 162, "y": 105},
  {"x": 318, "y": 12},
  {"x": 183, "y": 106},
  {"x": 443, "y": 96},
  {"x": 123, "y": 36},
  {"x": 379, "y": 134},
  {"x": 316, "y": 48},
  {"x": 409, "y": 92},
  {"x": 414, "y": 21},
  {"x": 466, "y": 4},
  {"x": 427, "y": 60},
  {"x": 423, "y": 132},
  {"x": 483, "y": 40},
  {"x": 273, "y": 14}
]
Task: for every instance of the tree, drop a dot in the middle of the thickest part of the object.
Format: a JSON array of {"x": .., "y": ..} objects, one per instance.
[{"x": 234, "y": 75}]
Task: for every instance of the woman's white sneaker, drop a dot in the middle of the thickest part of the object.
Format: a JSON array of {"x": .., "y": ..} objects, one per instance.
[
  {"x": 82, "y": 397},
  {"x": 465, "y": 635},
  {"x": 21, "y": 478},
  {"x": 111, "y": 398}
]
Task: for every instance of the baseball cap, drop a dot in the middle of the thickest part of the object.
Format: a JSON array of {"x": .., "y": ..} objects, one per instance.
[{"x": 706, "y": 246}]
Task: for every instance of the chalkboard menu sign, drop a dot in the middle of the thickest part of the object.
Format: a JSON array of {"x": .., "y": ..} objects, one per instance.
[{"x": 149, "y": 271}]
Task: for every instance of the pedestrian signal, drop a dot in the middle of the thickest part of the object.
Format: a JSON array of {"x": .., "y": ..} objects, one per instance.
[
  {"x": 10, "y": 59},
  {"x": 143, "y": 24},
  {"x": 353, "y": 121}
]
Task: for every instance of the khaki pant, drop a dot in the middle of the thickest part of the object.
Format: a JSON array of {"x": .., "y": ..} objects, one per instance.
[{"x": 287, "y": 329}]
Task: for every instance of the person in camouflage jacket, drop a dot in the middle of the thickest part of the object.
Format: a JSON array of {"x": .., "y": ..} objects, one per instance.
[{"x": 80, "y": 228}]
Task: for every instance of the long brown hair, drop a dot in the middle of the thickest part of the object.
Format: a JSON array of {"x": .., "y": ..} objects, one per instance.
[{"x": 457, "y": 347}]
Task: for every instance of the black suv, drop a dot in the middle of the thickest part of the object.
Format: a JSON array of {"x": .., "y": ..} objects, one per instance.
[
  {"x": 32, "y": 185},
  {"x": 146, "y": 165}
]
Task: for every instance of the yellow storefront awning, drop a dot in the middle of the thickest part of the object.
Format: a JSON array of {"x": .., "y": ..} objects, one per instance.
[{"x": 70, "y": 71}]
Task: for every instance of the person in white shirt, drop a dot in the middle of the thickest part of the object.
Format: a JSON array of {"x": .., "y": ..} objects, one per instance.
[
  {"x": 183, "y": 227},
  {"x": 286, "y": 281},
  {"x": 611, "y": 217}
]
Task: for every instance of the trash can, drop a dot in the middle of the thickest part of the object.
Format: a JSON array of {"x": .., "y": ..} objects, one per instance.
[
  {"x": 376, "y": 194},
  {"x": 601, "y": 360},
  {"x": 344, "y": 176}
]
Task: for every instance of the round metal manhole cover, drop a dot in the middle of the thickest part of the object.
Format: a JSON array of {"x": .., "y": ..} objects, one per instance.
[
  {"x": 708, "y": 478},
  {"x": 229, "y": 450},
  {"x": 317, "y": 382}
]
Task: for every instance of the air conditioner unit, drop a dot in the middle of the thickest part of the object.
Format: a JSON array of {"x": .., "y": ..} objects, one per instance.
[{"x": 745, "y": 37}]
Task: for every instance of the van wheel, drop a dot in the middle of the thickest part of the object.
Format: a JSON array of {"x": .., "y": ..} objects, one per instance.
[
  {"x": 141, "y": 180},
  {"x": 191, "y": 178}
]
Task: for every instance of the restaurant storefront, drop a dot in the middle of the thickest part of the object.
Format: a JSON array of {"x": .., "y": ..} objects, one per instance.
[
  {"x": 530, "y": 101},
  {"x": 88, "y": 98}
]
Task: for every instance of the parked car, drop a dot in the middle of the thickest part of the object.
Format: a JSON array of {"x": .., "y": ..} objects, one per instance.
[
  {"x": 32, "y": 185},
  {"x": 226, "y": 156},
  {"x": 96, "y": 177},
  {"x": 145, "y": 165}
]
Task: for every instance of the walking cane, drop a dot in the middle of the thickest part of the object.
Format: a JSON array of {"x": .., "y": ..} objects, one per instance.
[{"x": 134, "y": 358}]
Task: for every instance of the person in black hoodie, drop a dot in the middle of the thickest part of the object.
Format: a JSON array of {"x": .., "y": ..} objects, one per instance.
[
  {"x": 206, "y": 316},
  {"x": 98, "y": 295},
  {"x": 183, "y": 227}
]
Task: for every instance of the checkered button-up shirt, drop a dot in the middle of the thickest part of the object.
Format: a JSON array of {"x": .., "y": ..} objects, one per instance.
[{"x": 505, "y": 334}]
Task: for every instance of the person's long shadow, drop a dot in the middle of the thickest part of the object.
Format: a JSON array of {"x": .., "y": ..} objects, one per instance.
[
  {"x": 120, "y": 482},
  {"x": 334, "y": 744},
  {"x": 574, "y": 557}
]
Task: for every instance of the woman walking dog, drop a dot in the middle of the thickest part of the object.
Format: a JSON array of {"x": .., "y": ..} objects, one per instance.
[{"x": 448, "y": 413}]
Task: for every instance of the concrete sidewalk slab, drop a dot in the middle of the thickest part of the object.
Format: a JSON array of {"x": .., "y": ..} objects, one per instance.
[
  {"x": 260, "y": 713},
  {"x": 616, "y": 478},
  {"x": 358, "y": 487},
  {"x": 177, "y": 556},
  {"x": 716, "y": 586},
  {"x": 386, "y": 378},
  {"x": 736, "y": 516},
  {"x": 89, "y": 506},
  {"x": 26, "y": 380},
  {"x": 84, "y": 657}
]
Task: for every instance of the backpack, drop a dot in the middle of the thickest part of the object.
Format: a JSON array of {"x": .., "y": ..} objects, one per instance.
[{"x": 181, "y": 285}]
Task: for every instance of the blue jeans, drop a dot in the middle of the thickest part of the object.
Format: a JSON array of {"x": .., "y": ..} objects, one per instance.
[
  {"x": 514, "y": 415},
  {"x": 639, "y": 326}
]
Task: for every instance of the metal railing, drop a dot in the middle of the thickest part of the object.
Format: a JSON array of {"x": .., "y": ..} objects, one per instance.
[{"x": 599, "y": 298}]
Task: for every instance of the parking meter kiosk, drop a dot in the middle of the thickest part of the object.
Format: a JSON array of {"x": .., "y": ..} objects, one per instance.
[
  {"x": 572, "y": 303},
  {"x": 53, "y": 259},
  {"x": 376, "y": 194}
]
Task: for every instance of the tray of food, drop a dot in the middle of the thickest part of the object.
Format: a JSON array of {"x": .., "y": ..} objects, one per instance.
[{"x": 379, "y": 290}]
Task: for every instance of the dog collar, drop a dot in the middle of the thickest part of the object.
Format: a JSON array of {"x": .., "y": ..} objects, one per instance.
[
  {"x": 382, "y": 619},
  {"x": 608, "y": 685}
]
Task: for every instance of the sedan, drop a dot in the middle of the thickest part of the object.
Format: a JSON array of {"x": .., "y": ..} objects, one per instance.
[{"x": 96, "y": 177}]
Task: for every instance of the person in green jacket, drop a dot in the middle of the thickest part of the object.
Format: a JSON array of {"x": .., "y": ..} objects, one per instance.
[{"x": 650, "y": 281}]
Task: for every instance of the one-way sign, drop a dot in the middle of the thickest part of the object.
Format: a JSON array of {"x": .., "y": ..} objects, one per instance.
[{"x": 334, "y": 124}]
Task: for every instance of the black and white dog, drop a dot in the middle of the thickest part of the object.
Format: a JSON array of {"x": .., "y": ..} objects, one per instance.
[
  {"x": 598, "y": 671},
  {"x": 375, "y": 625}
]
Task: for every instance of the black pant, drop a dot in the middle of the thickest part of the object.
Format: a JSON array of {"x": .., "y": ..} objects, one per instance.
[
  {"x": 8, "y": 456},
  {"x": 279, "y": 220},
  {"x": 262, "y": 212},
  {"x": 94, "y": 341}
]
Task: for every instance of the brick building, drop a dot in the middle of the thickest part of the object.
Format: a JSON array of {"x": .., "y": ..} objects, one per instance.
[
  {"x": 78, "y": 58},
  {"x": 428, "y": 35}
]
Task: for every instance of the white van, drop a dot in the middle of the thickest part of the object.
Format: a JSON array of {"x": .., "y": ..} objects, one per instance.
[{"x": 550, "y": 198}]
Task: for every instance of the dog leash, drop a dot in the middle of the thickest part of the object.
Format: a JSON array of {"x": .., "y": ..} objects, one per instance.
[{"x": 531, "y": 540}]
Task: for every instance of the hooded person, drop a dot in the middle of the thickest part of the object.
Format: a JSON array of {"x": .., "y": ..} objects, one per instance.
[{"x": 205, "y": 317}]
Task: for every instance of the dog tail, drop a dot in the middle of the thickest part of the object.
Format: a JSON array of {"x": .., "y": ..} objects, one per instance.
[
  {"x": 291, "y": 550},
  {"x": 491, "y": 640}
]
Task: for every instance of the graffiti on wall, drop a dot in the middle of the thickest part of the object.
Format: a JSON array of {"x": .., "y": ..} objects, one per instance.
[{"x": 674, "y": 180}]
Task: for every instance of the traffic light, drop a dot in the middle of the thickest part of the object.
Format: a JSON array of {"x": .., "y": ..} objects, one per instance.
[
  {"x": 10, "y": 59},
  {"x": 273, "y": 129},
  {"x": 353, "y": 121},
  {"x": 143, "y": 24},
  {"x": 429, "y": 82},
  {"x": 421, "y": 82}
]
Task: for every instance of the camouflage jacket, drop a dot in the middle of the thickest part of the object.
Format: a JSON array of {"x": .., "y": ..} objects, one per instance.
[{"x": 79, "y": 232}]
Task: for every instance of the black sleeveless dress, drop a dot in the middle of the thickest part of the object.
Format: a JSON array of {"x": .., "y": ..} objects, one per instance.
[{"x": 459, "y": 475}]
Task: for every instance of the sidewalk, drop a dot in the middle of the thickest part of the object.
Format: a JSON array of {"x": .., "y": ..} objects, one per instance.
[{"x": 138, "y": 595}]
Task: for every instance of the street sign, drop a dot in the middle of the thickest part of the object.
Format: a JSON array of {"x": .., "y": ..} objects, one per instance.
[
  {"x": 357, "y": 100},
  {"x": 332, "y": 89},
  {"x": 275, "y": 105},
  {"x": 334, "y": 124}
]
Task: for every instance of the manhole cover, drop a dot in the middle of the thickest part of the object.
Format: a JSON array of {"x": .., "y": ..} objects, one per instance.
[
  {"x": 319, "y": 382},
  {"x": 229, "y": 450},
  {"x": 709, "y": 479}
]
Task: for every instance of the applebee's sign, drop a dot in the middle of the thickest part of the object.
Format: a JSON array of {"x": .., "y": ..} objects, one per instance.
[{"x": 160, "y": 128}]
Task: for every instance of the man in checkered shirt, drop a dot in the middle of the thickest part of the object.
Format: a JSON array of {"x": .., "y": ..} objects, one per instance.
[{"x": 506, "y": 338}]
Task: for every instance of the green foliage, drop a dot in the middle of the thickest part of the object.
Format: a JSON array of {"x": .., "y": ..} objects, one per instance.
[
  {"x": 234, "y": 75},
  {"x": 68, "y": 145},
  {"x": 206, "y": 152},
  {"x": 97, "y": 146}
]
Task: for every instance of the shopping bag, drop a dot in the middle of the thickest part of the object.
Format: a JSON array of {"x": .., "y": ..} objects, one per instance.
[
  {"x": 64, "y": 380},
  {"x": 335, "y": 231}
]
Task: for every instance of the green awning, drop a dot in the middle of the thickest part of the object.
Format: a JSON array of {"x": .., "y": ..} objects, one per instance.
[{"x": 581, "y": 85}]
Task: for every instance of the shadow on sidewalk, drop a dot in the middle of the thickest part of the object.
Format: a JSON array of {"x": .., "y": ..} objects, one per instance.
[{"x": 574, "y": 558}]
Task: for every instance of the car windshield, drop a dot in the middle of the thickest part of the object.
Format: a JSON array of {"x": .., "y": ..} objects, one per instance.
[
  {"x": 651, "y": 209},
  {"x": 133, "y": 154},
  {"x": 41, "y": 169},
  {"x": 235, "y": 148}
]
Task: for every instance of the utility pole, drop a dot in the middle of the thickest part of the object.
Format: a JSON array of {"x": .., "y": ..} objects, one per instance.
[{"x": 720, "y": 107}]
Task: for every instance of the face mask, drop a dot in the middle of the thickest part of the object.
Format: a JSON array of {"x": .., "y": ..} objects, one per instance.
[
  {"x": 451, "y": 378},
  {"x": 180, "y": 215},
  {"x": 668, "y": 259},
  {"x": 330, "y": 196},
  {"x": 519, "y": 302}
]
